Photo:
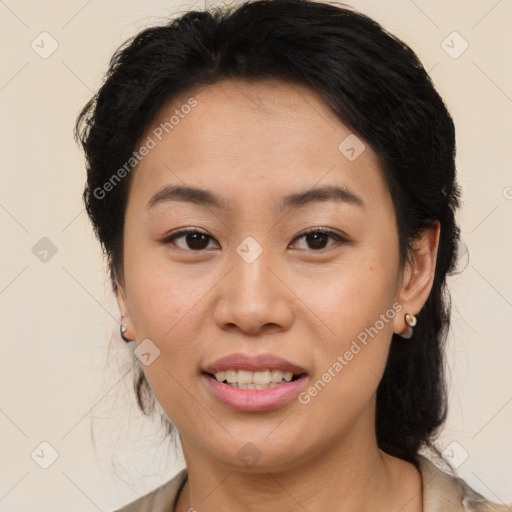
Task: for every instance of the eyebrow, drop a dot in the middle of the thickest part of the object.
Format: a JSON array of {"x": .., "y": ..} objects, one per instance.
[
  {"x": 201, "y": 197},
  {"x": 321, "y": 194}
]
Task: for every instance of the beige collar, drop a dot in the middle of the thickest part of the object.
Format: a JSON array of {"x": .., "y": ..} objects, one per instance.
[{"x": 441, "y": 493}]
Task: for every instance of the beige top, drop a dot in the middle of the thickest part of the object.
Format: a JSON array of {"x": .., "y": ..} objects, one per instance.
[{"x": 441, "y": 493}]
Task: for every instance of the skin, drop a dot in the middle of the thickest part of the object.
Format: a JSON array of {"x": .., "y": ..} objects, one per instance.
[{"x": 252, "y": 143}]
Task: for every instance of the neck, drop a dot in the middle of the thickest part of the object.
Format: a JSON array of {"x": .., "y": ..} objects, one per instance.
[{"x": 351, "y": 475}]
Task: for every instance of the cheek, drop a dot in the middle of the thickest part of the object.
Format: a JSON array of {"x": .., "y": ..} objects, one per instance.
[
  {"x": 161, "y": 294},
  {"x": 164, "y": 309},
  {"x": 356, "y": 304},
  {"x": 351, "y": 295}
]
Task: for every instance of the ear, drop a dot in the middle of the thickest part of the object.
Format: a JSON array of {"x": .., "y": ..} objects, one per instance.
[
  {"x": 418, "y": 276},
  {"x": 122, "y": 302}
]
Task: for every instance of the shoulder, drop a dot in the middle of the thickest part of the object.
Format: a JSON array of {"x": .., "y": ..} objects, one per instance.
[
  {"x": 443, "y": 492},
  {"x": 160, "y": 499}
]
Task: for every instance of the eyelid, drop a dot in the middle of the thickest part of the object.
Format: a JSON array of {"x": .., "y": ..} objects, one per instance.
[
  {"x": 183, "y": 232},
  {"x": 324, "y": 230}
]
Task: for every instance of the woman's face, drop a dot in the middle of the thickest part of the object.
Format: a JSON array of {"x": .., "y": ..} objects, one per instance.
[{"x": 250, "y": 290}]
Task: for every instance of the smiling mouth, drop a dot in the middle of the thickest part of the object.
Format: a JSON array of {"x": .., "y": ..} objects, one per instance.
[{"x": 259, "y": 380}]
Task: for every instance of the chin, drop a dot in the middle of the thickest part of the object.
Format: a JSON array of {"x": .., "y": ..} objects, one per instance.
[{"x": 258, "y": 454}]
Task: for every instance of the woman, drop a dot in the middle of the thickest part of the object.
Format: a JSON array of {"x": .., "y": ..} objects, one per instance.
[{"x": 274, "y": 187}]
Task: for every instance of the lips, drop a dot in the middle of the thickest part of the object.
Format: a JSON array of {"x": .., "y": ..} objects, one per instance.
[
  {"x": 256, "y": 363},
  {"x": 254, "y": 383}
]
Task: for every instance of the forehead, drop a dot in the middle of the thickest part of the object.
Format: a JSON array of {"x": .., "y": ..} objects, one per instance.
[{"x": 269, "y": 134}]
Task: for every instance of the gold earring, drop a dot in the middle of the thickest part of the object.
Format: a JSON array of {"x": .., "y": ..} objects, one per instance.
[
  {"x": 123, "y": 329},
  {"x": 411, "y": 322}
]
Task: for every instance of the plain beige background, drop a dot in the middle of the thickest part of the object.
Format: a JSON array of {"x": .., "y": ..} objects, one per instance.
[{"x": 60, "y": 384}]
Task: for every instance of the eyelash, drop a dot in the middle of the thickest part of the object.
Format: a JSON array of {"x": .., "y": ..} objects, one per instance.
[{"x": 181, "y": 234}]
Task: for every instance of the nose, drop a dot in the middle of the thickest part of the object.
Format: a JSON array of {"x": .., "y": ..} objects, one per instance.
[{"x": 253, "y": 297}]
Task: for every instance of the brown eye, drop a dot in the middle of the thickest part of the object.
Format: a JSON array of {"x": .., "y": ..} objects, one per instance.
[
  {"x": 190, "y": 240},
  {"x": 318, "y": 238}
]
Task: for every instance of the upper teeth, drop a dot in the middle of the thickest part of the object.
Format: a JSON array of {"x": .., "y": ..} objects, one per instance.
[{"x": 248, "y": 377}]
